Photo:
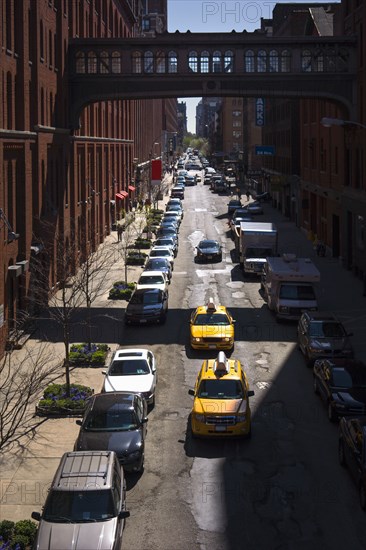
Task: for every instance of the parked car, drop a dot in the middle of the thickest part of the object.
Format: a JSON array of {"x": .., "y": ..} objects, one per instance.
[
  {"x": 175, "y": 209},
  {"x": 163, "y": 252},
  {"x": 352, "y": 452},
  {"x": 208, "y": 250},
  {"x": 173, "y": 215},
  {"x": 172, "y": 202},
  {"x": 170, "y": 224},
  {"x": 147, "y": 305},
  {"x": 240, "y": 215},
  {"x": 159, "y": 264},
  {"x": 115, "y": 421},
  {"x": 153, "y": 279},
  {"x": 190, "y": 180},
  {"x": 233, "y": 205},
  {"x": 322, "y": 335},
  {"x": 341, "y": 383},
  {"x": 167, "y": 241},
  {"x": 177, "y": 192},
  {"x": 221, "y": 400},
  {"x": 167, "y": 232},
  {"x": 132, "y": 370},
  {"x": 81, "y": 512},
  {"x": 254, "y": 208}
]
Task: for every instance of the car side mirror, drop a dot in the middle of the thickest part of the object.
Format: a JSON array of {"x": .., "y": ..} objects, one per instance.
[
  {"x": 191, "y": 392},
  {"x": 144, "y": 420},
  {"x": 79, "y": 422},
  {"x": 36, "y": 516},
  {"x": 250, "y": 393},
  {"x": 123, "y": 514},
  {"x": 104, "y": 372}
]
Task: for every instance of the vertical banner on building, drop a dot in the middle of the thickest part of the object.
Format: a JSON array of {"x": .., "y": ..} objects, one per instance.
[
  {"x": 259, "y": 111},
  {"x": 156, "y": 171}
]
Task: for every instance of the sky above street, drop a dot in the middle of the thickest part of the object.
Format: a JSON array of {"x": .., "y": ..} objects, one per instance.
[{"x": 218, "y": 16}]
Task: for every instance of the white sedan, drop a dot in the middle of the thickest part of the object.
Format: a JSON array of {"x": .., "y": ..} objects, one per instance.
[
  {"x": 163, "y": 252},
  {"x": 153, "y": 279},
  {"x": 132, "y": 370}
]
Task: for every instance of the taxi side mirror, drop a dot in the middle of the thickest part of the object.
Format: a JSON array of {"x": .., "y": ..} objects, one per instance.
[
  {"x": 250, "y": 393},
  {"x": 191, "y": 392}
]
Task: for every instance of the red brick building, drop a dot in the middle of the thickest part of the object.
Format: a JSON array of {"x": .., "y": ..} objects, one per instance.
[{"x": 49, "y": 176}]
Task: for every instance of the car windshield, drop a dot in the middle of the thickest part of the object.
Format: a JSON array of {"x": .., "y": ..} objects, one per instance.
[
  {"x": 207, "y": 244},
  {"x": 326, "y": 329},
  {"x": 220, "y": 389},
  {"x": 70, "y": 506},
  {"x": 160, "y": 253},
  {"x": 151, "y": 280},
  {"x": 145, "y": 298},
  {"x": 114, "y": 419},
  {"x": 211, "y": 319},
  {"x": 157, "y": 264},
  {"x": 258, "y": 252},
  {"x": 128, "y": 367},
  {"x": 342, "y": 378},
  {"x": 297, "y": 292}
]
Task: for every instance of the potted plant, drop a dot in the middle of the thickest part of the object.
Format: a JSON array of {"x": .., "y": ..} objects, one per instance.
[
  {"x": 88, "y": 355},
  {"x": 121, "y": 290},
  {"x": 18, "y": 536},
  {"x": 56, "y": 403},
  {"x": 136, "y": 258}
]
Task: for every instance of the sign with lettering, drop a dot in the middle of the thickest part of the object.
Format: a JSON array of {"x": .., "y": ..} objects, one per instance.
[
  {"x": 264, "y": 149},
  {"x": 259, "y": 111}
]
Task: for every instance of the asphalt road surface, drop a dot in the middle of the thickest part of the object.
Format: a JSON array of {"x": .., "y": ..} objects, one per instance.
[{"x": 284, "y": 488}]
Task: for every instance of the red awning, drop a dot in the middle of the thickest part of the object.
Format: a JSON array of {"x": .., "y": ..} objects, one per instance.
[
  {"x": 132, "y": 188},
  {"x": 121, "y": 195}
]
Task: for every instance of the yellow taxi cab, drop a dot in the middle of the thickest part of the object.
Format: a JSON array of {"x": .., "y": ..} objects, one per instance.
[
  {"x": 221, "y": 400},
  {"x": 212, "y": 327}
]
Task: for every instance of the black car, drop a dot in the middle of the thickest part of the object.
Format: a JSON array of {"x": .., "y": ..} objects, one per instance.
[
  {"x": 159, "y": 264},
  {"x": 233, "y": 205},
  {"x": 115, "y": 421},
  {"x": 167, "y": 232},
  {"x": 208, "y": 250},
  {"x": 147, "y": 305},
  {"x": 352, "y": 452},
  {"x": 341, "y": 383}
]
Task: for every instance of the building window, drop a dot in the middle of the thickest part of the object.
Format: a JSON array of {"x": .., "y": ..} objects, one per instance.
[
  {"x": 193, "y": 62},
  {"x": 136, "y": 62},
  {"x": 80, "y": 62},
  {"x": 306, "y": 61},
  {"x": 216, "y": 62},
  {"x": 262, "y": 61},
  {"x": 285, "y": 61},
  {"x": 116, "y": 62},
  {"x": 146, "y": 24},
  {"x": 273, "y": 61},
  {"x": 228, "y": 61},
  {"x": 103, "y": 63},
  {"x": 205, "y": 62},
  {"x": 160, "y": 61},
  {"x": 41, "y": 43},
  {"x": 172, "y": 62},
  {"x": 92, "y": 62},
  {"x": 148, "y": 62},
  {"x": 249, "y": 61}
]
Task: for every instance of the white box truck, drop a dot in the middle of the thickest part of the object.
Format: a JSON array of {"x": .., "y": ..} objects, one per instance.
[
  {"x": 289, "y": 285},
  {"x": 257, "y": 241}
]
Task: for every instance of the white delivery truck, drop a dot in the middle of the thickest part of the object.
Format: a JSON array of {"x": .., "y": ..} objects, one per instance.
[
  {"x": 288, "y": 284},
  {"x": 257, "y": 241}
]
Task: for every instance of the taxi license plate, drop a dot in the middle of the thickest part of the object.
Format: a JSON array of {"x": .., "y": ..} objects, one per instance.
[
  {"x": 211, "y": 346},
  {"x": 220, "y": 428}
]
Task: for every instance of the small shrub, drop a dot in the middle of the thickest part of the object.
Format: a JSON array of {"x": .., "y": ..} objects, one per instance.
[
  {"x": 19, "y": 542},
  {"x": 121, "y": 291},
  {"x": 6, "y": 529}
]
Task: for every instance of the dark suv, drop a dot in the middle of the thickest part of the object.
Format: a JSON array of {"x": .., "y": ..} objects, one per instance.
[
  {"x": 322, "y": 335},
  {"x": 147, "y": 305}
]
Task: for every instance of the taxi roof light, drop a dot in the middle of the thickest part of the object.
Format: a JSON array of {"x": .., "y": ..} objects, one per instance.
[
  {"x": 211, "y": 305},
  {"x": 221, "y": 365}
]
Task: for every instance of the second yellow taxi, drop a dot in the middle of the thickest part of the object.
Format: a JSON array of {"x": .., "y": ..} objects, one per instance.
[{"x": 212, "y": 327}]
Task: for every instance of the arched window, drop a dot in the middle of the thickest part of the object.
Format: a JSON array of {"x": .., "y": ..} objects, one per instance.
[
  {"x": 193, "y": 62},
  {"x": 228, "y": 61},
  {"x": 216, "y": 62},
  {"x": 136, "y": 62},
  {"x": 330, "y": 60},
  {"x": 273, "y": 61},
  {"x": 92, "y": 62},
  {"x": 249, "y": 61},
  {"x": 205, "y": 62},
  {"x": 285, "y": 61},
  {"x": 104, "y": 63},
  {"x": 319, "y": 62},
  {"x": 160, "y": 61},
  {"x": 262, "y": 61},
  {"x": 172, "y": 62},
  {"x": 116, "y": 62},
  {"x": 306, "y": 61},
  {"x": 148, "y": 62},
  {"x": 80, "y": 62}
]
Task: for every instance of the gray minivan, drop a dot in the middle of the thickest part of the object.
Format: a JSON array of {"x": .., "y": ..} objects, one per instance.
[{"x": 86, "y": 505}]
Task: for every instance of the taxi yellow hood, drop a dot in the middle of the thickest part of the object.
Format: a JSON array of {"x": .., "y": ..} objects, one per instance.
[
  {"x": 217, "y": 406},
  {"x": 208, "y": 331}
]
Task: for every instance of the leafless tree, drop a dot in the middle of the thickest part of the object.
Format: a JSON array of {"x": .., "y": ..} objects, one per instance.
[
  {"x": 23, "y": 376},
  {"x": 128, "y": 238}
]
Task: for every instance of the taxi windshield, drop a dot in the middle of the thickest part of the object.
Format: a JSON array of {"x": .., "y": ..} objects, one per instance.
[
  {"x": 220, "y": 389},
  {"x": 211, "y": 319}
]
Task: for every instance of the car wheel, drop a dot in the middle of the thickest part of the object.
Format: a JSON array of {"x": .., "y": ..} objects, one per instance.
[
  {"x": 315, "y": 385},
  {"x": 362, "y": 495},
  {"x": 331, "y": 414},
  {"x": 341, "y": 456}
]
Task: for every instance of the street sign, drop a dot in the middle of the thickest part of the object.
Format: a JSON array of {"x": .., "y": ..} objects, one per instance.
[{"x": 264, "y": 149}]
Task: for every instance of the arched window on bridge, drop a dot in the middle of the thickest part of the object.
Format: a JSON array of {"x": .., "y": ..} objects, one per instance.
[
  {"x": 92, "y": 62},
  {"x": 160, "y": 61},
  {"x": 136, "y": 63},
  {"x": 249, "y": 61},
  {"x": 148, "y": 62},
  {"x": 330, "y": 60},
  {"x": 273, "y": 61},
  {"x": 285, "y": 61},
  {"x": 103, "y": 62},
  {"x": 205, "y": 62},
  {"x": 262, "y": 61},
  {"x": 228, "y": 61},
  {"x": 80, "y": 62},
  {"x": 172, "y": 62},
  {"x": 306, "y": 60},
  {"x": 193, "y": 62},
  {"x": 319, "y": 62},
  {"x": 216, "y": 62},
  {"x": 116, "y": 62}
]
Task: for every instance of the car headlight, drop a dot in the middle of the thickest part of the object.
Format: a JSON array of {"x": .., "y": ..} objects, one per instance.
[
  {"x": 227, "y": 339},
  {"x": 199, "y": 417},
  {"x": 197, "y": 339},
  {"x": 283, "y": 309}
]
